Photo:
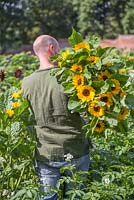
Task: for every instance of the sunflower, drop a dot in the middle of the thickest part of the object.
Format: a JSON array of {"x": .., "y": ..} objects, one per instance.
[
  {"x": 86, "y": 93},
  {"x": 81, "y": 45},
  {"x": 122, "y": 70},
  {"x": 15, "y": 95},
  {"x": 131, "y": 58},
  {"x": 10, "y": 112},
  {"x": 104, "y": 75},
  {"x": 100, "y": 127},
  {"x": 122, "y": 115},
  {"x": 76, "y": 68},
  {"x": 106, "y": 98},
  {"x": 96, "y": 110},
  {"x": 65, "y": 54},
  {"x": 16, "y": 104},
  {"x": 93, "y": 59},
  {"x": 78, "y": 80},
  {"x": 115, "y": 89}
]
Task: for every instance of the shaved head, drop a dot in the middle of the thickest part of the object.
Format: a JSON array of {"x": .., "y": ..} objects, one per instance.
[{"x": 42, "y": 43}]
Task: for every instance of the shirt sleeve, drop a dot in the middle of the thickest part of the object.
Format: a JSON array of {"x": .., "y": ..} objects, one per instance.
[{"x": 25, "y": 89}]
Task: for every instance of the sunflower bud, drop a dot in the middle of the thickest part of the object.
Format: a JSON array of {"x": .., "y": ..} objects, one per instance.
[{"x": 2, "y": 75}]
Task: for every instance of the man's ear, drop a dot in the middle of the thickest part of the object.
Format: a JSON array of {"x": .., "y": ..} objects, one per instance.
[{"x": 51, "y": 49}]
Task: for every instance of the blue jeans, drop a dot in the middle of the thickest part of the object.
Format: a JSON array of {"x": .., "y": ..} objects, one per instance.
[{"x": 49, "y": 173}]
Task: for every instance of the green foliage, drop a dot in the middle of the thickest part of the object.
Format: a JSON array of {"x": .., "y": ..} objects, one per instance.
[
  {"x": 17, "y": 135},
  {"x": 105, "y": 18},
  {"x": 15, "y": 24},
  {"x": 75, "y": 38},
  {"x": 111, "y": 172},
  {"x": 17, "y": 145},
  {"x": 23, "y": 20}
]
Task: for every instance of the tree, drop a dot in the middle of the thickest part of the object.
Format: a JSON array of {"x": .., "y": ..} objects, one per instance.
[
  {"x": 106, "y": 18},
  {"x": 55, "y": 17},
  {"x": 12, "y": 20},
  {"x": 128, "y": 19},
  {"x": 23, "y": 20}
]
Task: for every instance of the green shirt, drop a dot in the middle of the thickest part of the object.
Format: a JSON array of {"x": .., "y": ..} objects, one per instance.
[{"x": 58, "y": 130}]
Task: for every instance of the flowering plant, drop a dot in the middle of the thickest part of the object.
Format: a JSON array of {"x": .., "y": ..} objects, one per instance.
[
  {"x": 97, "y": 82},
  {"x": 14, "y": 67}
]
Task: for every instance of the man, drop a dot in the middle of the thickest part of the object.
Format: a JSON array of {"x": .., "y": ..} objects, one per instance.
[{"x": 58, "y": 130}]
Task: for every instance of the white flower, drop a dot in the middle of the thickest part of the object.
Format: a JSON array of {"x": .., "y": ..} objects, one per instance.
[
  {"x": 68, "y": 157},
  {"x": 5, "y": 192},
  {"x": 106, "y": 180}
]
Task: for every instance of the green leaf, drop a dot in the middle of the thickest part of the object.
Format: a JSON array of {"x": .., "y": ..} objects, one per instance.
[
  {"x": 130, "y": 101},
  {"x": 56, "y": 71},
  {"x": 111, "y": 118},
  {"x": 29, "y": 194},
  {"x": 75, "y": 38},
  {"x": 94, "y": 122},
  {"x": 94, "y": 41},
  {"x": 22, "y": 108},
  {"x": 98, "y": 64},
  {"x": 105, "y": 87},
  {"x": 90, "y": 127},
  {"x": 20, "y": 193},
  {"x": 98, "y": 84},
  {"x": 122, "y": 127},
  {"x": 68, "y": 88},
  {"x": 121, "y": 78},
  {"x": 87, "y": 75},
  {"x": 73, "y": 104},
  {"x": 82, "y": 58}
]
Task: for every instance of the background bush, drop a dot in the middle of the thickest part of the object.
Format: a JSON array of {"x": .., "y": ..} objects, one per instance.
[{"x": 23, "y": 20}]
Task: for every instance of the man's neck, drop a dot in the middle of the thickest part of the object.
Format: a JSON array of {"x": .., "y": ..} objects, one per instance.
[{"x": 45, "y": 63}]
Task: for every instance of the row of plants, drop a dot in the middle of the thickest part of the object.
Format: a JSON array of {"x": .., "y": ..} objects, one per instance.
[
  {"x": 99, "y": 84},
  {"x": 17, "y": 138}
]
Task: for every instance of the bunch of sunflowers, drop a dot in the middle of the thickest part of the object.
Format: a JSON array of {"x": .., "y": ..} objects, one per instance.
[{"x": 97, "y": 83}]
